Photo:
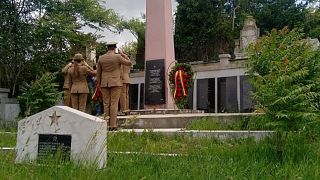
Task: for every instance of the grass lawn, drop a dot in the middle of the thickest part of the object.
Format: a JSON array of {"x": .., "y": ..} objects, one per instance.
[
  {"x": 258, "y": 122},
  {"x": 7, "y": 140},
  {"x": 296, "y": 156}
]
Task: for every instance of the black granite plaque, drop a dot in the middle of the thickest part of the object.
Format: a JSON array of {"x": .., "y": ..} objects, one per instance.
[
  {"x": 49, "y": 145},
  {"x": 155, "y": 82}
]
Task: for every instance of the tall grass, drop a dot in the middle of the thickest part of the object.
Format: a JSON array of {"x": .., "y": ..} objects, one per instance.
[
  {"x": 7, "y": 140},
  {"x": 298, "y": 157},
  {"x": 259, "y": 122}
]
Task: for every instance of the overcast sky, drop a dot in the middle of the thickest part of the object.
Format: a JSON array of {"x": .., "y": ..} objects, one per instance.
[{"x": 127, "y": 9}]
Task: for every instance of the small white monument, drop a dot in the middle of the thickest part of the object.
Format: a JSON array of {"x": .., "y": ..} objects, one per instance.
[{"x": 80, "y": 136}]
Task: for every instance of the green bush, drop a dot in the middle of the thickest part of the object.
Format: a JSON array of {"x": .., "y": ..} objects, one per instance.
[
  {"x": 39, "y": 95},
  {"x": 285, "y": 73}
]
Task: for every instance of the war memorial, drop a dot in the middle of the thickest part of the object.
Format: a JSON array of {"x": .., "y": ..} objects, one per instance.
[{"x": 192, "y": 120}]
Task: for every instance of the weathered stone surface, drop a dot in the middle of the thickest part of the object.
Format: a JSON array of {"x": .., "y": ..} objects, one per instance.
[
  {"x": 249, "y": 33},
  {"x": 9, "y": 107},
  {"x": 88, "y": 135}
]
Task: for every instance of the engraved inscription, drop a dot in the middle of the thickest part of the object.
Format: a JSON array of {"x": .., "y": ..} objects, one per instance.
[
  {"x": 154, "y": 89},
  {"x": 155, "y": 73},
  {"x": 50, "y": 145},
  {"x": 155, "y": 80}
]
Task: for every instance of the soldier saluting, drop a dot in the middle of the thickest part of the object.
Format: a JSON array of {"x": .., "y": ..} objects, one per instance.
[
  {"x": 109, "y": 79},
  {"x": 79, "y": 86}
]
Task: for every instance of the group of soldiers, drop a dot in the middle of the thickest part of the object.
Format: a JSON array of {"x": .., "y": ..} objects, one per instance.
[{"x": 112, "y": 78}]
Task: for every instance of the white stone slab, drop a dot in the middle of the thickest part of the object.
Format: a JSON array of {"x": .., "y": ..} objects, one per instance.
[{"x": 88, "y": 135}]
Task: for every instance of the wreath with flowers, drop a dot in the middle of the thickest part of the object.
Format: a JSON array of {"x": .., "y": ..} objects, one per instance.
[{"x": 181, "y": 80}]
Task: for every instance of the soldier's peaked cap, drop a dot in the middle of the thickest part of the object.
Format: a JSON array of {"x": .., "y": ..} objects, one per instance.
[{"x": 112, "y": 43}]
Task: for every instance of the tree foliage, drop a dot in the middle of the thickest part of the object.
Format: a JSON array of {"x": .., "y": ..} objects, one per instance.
[
  {"x": 276, "y": 14},
  {"x": 312, "y": 23},
  {"x": 39, "y": 95},
  {"x": 285, "y": 73},
  {"x": 38, "y": 36},
  {"x": 202, "y": 30},
  {"x": 206, "y": 28},
  {"x": 130, "y": 49},
  {"x": 137, "y": 29}
]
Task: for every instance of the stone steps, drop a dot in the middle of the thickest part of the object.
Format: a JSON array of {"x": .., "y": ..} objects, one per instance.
[
  {"x": 164, "y": 111},
  {"x": 157, "y": 121}
]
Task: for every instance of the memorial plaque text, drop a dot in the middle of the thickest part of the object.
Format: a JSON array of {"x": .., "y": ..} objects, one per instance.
[
  {"x": 51, "y": 144},
  {"x": 155, "y": 82}
]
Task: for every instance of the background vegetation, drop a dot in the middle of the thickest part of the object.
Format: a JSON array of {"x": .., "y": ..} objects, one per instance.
[
  {"x": 205, "y": 28},
  {"x": 39, "y": 36},
  {"x": 285, "y": 72},
  {"x": 39, "y": 95}
]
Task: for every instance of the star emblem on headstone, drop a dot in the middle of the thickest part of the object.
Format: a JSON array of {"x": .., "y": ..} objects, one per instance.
[
  {"x": 54, "y": 118},
  {"x": 55, "y": 138}
]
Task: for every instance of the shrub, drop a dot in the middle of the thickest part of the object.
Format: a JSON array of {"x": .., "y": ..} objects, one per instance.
[
  {"x": 285, "y": 73},
  {"x": 39, "y": 95}
]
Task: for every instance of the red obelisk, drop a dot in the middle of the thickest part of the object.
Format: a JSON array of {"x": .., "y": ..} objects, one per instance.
[{"x": 159, "y": 54}]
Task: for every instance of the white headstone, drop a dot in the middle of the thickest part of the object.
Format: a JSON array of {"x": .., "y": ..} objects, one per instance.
[{"x": 83, "y": 136}]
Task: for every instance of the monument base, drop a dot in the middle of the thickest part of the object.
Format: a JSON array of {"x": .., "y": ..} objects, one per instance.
[{"x": 164, "y": 111}]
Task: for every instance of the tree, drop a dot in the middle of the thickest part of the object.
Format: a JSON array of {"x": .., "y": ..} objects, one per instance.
[
  {"x": 39, "y": 95},
  {"x": 312, "y": 23},
  {"x": 130, "y": 49},
  {"x": 38, "y": 36},
  {"x": 206, "y": 28},
  {"x": 202, "y": 30},
  {"x": 137, "y": 29},
  {"x": 285, "y": 72},
  {"x": 278, "y": 14}
]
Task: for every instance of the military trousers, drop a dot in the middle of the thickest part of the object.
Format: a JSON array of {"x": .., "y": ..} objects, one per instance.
[
  {"x": 67, "y": 97},
  {"x": 124, "y": 98},
  {"x": 111, "y": 96},
  {"x": 79, "y": 101}
]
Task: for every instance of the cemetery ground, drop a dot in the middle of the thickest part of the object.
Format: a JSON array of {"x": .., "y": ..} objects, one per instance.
[{"x": 152, "y": 155}]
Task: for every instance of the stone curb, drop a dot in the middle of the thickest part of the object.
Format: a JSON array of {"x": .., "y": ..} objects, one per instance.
[{"x": 222, "y": 135}]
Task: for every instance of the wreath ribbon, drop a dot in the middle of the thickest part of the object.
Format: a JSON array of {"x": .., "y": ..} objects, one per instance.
[
  {"x": 97, "y": 93},
  {"x": 179, "y": 74}
]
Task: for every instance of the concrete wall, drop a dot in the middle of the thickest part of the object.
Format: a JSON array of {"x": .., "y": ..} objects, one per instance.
[
  {"x": 226, "y": 67},
  {"x": 9, "y": 107}
]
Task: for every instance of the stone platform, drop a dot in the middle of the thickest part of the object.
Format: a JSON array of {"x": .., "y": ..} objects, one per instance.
[
  {"x": 178, "y": 120},
  {"x": 164, "y": 111}
]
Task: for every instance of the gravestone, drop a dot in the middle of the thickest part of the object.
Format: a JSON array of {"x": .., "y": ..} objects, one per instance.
[
  {"x": 159, "y": 54},
  {"x": 79, "y": 137},
  {"x": 249, "y": 33}
]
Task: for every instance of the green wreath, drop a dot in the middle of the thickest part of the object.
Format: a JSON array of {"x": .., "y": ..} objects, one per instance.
[{"x": 181, "y": 81}]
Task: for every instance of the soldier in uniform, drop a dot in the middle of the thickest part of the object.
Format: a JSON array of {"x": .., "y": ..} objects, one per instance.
[
  {"x": 109, "y": 79},
  {"x": 67, "y": 84},
  {"x": 79, "y": 86},
  {"x": 124, "y": 97}
]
